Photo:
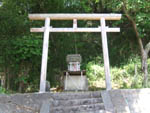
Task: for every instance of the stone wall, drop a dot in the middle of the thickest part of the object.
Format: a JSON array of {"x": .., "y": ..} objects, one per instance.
[{"x": 23, "y": 103}]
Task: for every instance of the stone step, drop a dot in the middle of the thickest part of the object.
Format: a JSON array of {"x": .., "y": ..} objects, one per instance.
[
  {"x": 74, "y": 102},
  {"x": 97, "y": 111},
  {"x": 76, "y": 109},
  {"x": 75, "y": 95}
]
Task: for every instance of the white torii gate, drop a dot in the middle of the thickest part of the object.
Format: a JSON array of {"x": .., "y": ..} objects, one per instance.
[{"x": 47, "y": 29}]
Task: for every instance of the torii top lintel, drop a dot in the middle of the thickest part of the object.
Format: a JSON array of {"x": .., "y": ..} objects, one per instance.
[{"x": 71, "y": 16}]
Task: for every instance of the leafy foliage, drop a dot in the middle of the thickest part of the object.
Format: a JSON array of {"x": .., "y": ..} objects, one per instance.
[
  {"x": 127, "y": 76},
  {"x": 26, "y": 48}
]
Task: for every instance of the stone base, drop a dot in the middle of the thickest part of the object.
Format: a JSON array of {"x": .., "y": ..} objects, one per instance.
[{"x": 75, "y": 83}]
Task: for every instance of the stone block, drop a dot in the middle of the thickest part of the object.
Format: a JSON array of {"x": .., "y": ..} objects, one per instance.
[{"x": 76, "y": 83}]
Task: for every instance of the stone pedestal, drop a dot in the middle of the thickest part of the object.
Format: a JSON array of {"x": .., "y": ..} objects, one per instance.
[
  {"x": 75, "y": 79},
  {"x": 76, "y": 83}
]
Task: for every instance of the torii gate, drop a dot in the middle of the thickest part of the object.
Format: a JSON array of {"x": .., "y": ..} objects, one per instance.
[{"x": 47, "y": 29}]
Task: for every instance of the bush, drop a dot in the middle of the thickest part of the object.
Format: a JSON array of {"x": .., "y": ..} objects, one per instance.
[
  {"x": 128, "y": 75},
  {"x": 3, "y": 90},
  {"x": 95, "y": 71}
]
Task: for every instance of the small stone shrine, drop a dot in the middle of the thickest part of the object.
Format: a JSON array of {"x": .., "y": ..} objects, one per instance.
[{"x": 75, "y": 78}]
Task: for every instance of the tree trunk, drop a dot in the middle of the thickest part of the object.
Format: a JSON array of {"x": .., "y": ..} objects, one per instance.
[
  {"x": 7, "y": 75},
  {"x": 8, "y": 82},
  {"x": 144, "y": 52},
  {"x": 145, "y": 69},
  {"x": 3, "y": 79},
  {"x": 20, "y": 89},
  {"x": 24, "y": 70},
  {"x": 145, "y": 65}
]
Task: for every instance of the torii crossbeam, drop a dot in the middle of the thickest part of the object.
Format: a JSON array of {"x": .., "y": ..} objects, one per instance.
[{"x": 75, "y": 17}]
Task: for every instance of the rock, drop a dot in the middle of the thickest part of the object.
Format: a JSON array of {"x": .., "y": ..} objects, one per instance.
[{"x": 47, "y": 86}]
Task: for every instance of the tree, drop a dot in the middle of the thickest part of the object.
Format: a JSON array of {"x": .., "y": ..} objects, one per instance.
[{"x": 136, "y": 12}]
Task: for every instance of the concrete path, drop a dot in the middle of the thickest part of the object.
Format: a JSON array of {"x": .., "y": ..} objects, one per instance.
[{"x": 127, "y": 100}]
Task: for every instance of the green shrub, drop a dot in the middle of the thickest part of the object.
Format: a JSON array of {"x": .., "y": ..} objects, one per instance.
[
  {"x": 128, "y": 75},
  {"x": 94, "y": 71},
  {"x": 3, "y": 90}
]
